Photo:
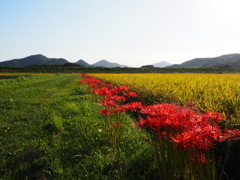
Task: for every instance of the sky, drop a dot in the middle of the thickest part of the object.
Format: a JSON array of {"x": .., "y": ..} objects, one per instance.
[{"x": 128, "y": 32}]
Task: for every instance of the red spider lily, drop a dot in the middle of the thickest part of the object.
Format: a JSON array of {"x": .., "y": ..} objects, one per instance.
[
  {"x": 108, "y": 103},
  {"x": 82, "y": 81},
  {"x": 103, "y": 91},
  {"x": 84, "y": 76},
  {"x": 105, "y": 112},
  {"x": 230, "y": 134},
  {"x": 112, "y": 101},
  {"x": 131, "y": 94},
  {"x": 123, "y": 88},
  {"x": 118, "y": 109},
  {"x": 195, "y": 140},
  {"x": 198, "y": 158},
  {"x": 133, "y": 106},
  {"x": 92, "y": 82},
  {"x": 195, "y": 131},
  {"x": 215, "y": 117},
  {"x": 164, "y": 115},
  {"x": 110, "y": 94},
  {"x": 115, "y": 91},
  {"x": 117, "y": 98},
  {"x": 115, "y": 125}
]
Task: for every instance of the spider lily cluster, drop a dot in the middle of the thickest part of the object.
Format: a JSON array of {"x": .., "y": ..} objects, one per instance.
[
  {"x": 113, "y": 100},
  {"x": 180, "y": 134}
]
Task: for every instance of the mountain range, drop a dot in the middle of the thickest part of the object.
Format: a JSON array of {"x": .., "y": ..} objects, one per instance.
[
  {"x": 229, "y": 60},
  {"x": 103, "y": 63},
  {"x": 40, "y": 59},
  {"x": 34, "y": 60}
]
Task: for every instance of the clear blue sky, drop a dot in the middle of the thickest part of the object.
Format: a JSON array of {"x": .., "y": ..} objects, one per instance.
[{"x": 129, "y": 32}]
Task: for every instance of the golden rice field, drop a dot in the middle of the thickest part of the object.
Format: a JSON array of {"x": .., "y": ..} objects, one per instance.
[{"x": 215, "y": 92}]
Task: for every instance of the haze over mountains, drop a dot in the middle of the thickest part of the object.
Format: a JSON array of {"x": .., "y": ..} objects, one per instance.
[{"x": 229, "y": 60}]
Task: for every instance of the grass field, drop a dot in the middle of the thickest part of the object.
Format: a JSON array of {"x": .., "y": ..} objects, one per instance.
[{"x": 51, "y": 129}]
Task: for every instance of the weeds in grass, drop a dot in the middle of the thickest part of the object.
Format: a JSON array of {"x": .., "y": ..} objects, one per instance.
[{"x": 57, "y": 121}]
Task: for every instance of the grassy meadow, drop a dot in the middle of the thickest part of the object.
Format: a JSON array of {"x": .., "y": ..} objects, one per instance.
[{"x": 50, "y": 128}]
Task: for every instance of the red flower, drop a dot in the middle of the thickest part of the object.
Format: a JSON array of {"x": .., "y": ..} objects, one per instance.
[
  {"x": 131, "y": 94},
  {"x": 213, "y": 116},
  {"x": 82, "y": 81},
  {"x": 105, "y": 112},
  {"x": 198, "y": 158},
  {"x": 103, "y": 91},
  {"x": 108, "y": 103},
  {"x": 118, "y": 109},
  {"x": 115, "y": 125},
  {"x": 123, "y": 88},
  {"x": 134, "y": 106}
]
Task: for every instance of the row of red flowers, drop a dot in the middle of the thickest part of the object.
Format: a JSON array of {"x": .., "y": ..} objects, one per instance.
[{"x": 192, "y": 130}]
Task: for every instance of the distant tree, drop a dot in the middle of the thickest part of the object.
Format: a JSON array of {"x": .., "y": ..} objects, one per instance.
[{"x": 225, "y": 66}]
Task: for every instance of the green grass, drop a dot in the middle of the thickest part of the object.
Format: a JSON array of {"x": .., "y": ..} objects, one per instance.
[{"x": 50, "y": 128}]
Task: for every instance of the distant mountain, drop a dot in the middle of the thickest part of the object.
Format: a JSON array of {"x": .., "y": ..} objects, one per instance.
[
  {"x": 54, "y": 61},
  {"x": 83, "y": 63},
  {"x": 34, "y": 60},
  {"x": 27, "y": 61},
  {"x": 231, "y": 60},
  {"x": 162, "y": 64},
  {"x": 39, "y": 59},
  {"x": 105, "y": 63}
]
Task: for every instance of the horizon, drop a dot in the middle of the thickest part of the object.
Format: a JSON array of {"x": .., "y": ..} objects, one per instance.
[
  {"x": 117, "y": 62},
  {"x": 78, "y": 60},
  {"x": 125, "y": 32}
]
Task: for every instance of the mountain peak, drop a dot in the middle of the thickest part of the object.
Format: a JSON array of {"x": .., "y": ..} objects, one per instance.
[
  {"x": 37, "y": 59},
  {"x": 82, "y": 62},
  {"x": 162, "y": 64},
  {"x": 232, "y": 60},
  {"x": 105, "y": 63}
]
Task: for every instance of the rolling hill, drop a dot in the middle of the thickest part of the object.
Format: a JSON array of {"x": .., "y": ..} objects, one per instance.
[
  {"x": 27, "y": 61},
  {"x": 83, "y": 63},
  {"x": 105, "y": 63},
  {"x": 56, "y": 61},
  {"x": 34, "y": 60},
  {"x": 231, "y": 60},
  {"x": 40, "y": 59},
  {"x": 162, "y": 64}
]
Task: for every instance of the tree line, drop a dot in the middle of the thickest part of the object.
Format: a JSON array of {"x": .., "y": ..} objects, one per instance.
[{"x": 81, "y": 69}]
